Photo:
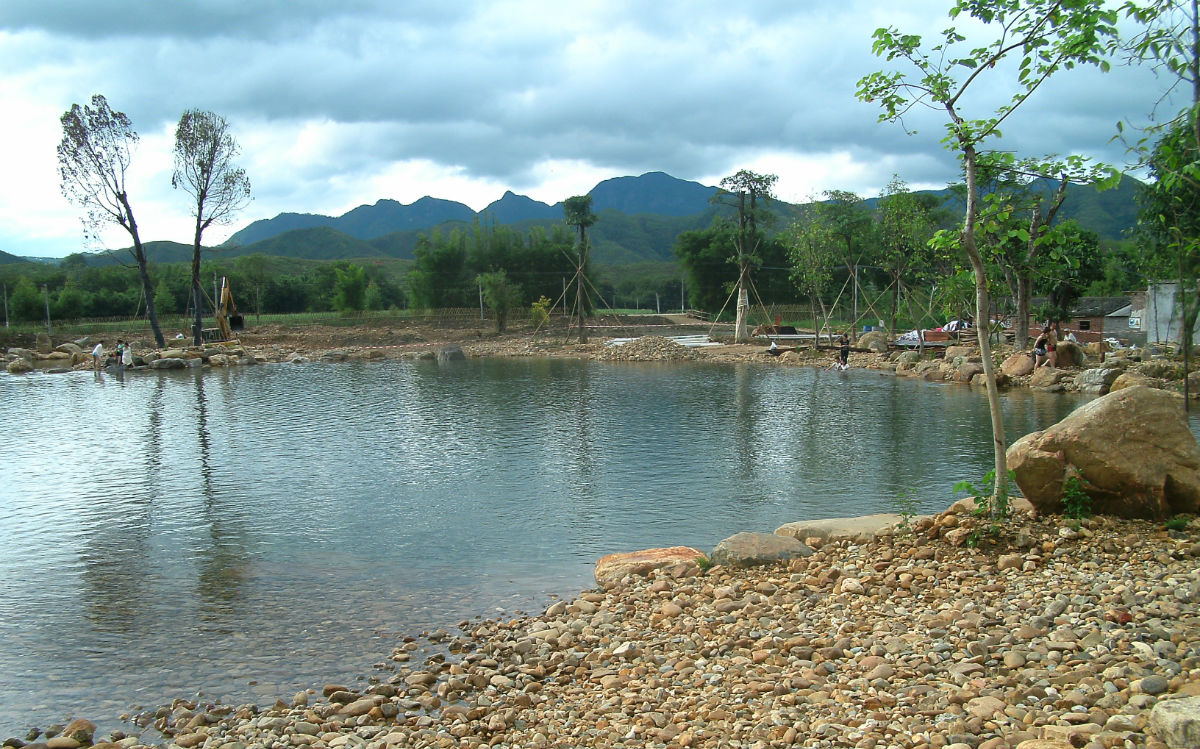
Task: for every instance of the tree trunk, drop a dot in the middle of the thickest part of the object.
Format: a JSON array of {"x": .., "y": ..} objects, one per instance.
[
  {"x": 1024, "y": 299},
  {"x": 999, "y": 499},
  {"x": 583, "y": 338},
  {"x": 198, "y": 322},
  {"x": 741, "y": 331},
  {"x": 139, "y": 254}
]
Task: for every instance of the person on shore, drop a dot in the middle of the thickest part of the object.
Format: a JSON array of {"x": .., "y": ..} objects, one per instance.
[
  {"x": 98, "y": 356},
  {"x": 843, "y": 351},
  {"x": 773, "y": 349},
  {"x": 1051, "y": 348},
  {"x": 1039, "y": 349},
  {"x": 127, "y": 355}
]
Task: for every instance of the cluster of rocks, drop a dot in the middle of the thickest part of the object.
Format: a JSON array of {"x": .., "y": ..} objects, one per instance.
[
  {"x": 648, "y": 348},
  {"x": 1087, "y": 638},
  {"x": 77, "y": 355}
]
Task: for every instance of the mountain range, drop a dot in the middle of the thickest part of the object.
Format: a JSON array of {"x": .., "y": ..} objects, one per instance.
[{"x": 639, "y": 219}]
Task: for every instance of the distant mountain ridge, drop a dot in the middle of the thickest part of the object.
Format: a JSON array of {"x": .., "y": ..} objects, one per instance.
[
  {"x": 639, "y": 220},
  {"x": 653, "y": 192}
]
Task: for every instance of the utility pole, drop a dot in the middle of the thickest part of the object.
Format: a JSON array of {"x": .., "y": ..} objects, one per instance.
[
  {"x": 46, "y": 296},
  {"x": 6, "y": 305},
  {"x": 480, "y": 299}
]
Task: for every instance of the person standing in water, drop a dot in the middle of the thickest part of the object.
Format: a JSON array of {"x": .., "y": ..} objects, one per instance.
[{"x": 843, "y": 351}]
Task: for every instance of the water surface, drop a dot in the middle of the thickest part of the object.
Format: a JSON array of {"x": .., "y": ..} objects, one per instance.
[{"x": 250, "y": 532}]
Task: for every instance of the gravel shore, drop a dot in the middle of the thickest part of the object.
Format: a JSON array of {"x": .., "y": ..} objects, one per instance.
[{"x": 1063, "y": 635}]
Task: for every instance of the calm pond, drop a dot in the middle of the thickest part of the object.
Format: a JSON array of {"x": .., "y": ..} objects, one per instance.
[{"x": 249, "y": 532}]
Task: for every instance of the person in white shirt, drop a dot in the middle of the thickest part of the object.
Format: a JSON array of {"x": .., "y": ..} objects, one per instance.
[
  {"x": 127, "y": 355},
  {"x": 98, "y": 356}
]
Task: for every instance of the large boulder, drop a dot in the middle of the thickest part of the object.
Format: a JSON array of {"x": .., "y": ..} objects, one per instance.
[
  {"x": 1176, "y": 722},
  {"x": 1017, "y": 365},
  {"x": 756, "y": 549},
  {"x": 834, "y": 529},
  {"x": 967, "y": 371},
  {"x": 44, "y": 346},
  {"x": 1096, "y": 381},
  {"x": 1069, "y": 354},
  {"x": 613, "y": 568},
  {"x": 19, "y": 366},
  {"x": 876, "y": 340},
  {"x": 1049, "y": 378},
  {"x": 1132, "y": 449},
  {"x": 1133, "y": 379},
  {"x": 173, "y": 362},
  {"x": 953, "y": 352}
]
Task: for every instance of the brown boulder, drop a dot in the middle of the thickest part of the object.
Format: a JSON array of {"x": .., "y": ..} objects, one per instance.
[
  {"x": 1132, "y": 449},
  {"x": 1049, "y": 378},
  {"x": 1017, "y": 365},
  {"x": 1133, "y": 379},
  {"x": 967, "y": 371},
  {"x": 1069, "y": 354},
  {"x": 612, "y": 568}
]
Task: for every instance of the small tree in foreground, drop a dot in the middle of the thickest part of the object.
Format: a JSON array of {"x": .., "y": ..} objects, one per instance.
[
  {"x": 93, "y": 158},
  {"x": 499, "y": 295},
  {"x": 577, "y": 212},
  {"x": 1044, "y": 37}
]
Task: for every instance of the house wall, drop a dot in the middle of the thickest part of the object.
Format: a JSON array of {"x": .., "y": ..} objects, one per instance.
[{"x": 1158, "y": 317}]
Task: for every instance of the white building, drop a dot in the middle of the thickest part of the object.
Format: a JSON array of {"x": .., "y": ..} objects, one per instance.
[{"x": 1155, "y": 315}]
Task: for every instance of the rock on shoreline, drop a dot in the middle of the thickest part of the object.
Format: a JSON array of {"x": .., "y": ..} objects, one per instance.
[{"x": 898, "y": 641}]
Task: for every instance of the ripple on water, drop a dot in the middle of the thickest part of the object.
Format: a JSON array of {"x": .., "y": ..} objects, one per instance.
[{"x": 178, "y": 531}]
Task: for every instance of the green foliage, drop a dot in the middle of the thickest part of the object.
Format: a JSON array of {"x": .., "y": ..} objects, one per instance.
[
  {"x": 350, "y": 289},
  {"x": 704, "y": 563},
  {"x": 539, "y": 313},
  {"x": 499, "y": 295},
  {"x": 25, "y": 303},
  {"x": 1177, "y": 523},
  {"x": 987, "y": 505},
  {"x": 907, "y": 507},
  {"x": 1077, "y": 503}
]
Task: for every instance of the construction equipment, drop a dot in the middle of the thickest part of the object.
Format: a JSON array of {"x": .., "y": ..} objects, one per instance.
[{"x": 228, "y": 318}]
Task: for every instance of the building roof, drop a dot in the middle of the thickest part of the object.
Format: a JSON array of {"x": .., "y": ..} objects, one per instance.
[{"x": 1091, "y": 306}]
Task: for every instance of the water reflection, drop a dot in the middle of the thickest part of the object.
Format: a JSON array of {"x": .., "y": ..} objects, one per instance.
[{"x": 175, "y": 541}]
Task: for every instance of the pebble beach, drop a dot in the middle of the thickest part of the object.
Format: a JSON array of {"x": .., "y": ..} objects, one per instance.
[{"x": 1060, "y": 634}]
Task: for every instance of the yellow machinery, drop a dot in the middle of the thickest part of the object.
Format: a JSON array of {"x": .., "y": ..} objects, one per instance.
[{"x": 228, "y": 319}]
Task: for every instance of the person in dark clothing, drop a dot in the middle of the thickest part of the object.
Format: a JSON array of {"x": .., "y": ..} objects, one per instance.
[{"x": 843, "y": 351}]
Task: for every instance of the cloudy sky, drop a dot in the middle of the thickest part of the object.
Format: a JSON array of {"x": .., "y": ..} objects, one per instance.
[{"x": 337, "y": 104}]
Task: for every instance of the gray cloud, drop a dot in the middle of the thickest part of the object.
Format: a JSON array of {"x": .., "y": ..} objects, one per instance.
[{"x": 495, "y": 88}]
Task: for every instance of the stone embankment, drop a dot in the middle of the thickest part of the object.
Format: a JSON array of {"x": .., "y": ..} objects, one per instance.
[{"x": 1081, "y": 634}]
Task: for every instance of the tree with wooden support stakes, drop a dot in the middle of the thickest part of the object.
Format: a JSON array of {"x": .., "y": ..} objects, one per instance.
[
  {"x": 93, "y": 159},
  {"x": 577, "y": 212},
  {"x": 750, "y": 194},
  {"x": 204, "y": 168},
  {"x": 1033, "y": 40}
]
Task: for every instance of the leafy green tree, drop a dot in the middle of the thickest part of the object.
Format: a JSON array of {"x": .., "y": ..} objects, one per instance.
[
  {"x": 849, "y": 221},
  {"x": 439, "y": 277},
  {"x": 750, "y": 194},
  {"x": 500, "y": 296},
  {"x": 577, "y": 212},
  {"x": 373, "y": 300},
  {"x": 1067, "y": 265},
  {"x": 205, "y": 151},
  {"x": 70, "y": 303},
  {"x": 165, "y": 299},
  {"x": 905, "y": 226},
  {"x": 350, "y": 289},
  {"x": 812, "y": 253},
  {"x": 254, "y": 269},
  {"x": 711, "y": 268},
  {"x": 93, "y": 158},
  {"x": 1045, "y": 36},
  {"x": 25, "y": 302},
  {"x": 1170, "y": 224}
]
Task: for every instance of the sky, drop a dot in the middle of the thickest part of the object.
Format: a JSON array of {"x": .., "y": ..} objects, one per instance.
[{"x": 340, "y": 104}]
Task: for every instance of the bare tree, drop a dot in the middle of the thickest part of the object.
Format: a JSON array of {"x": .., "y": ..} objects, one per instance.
[
  {"x": 204, "y": 168},
  {"x": 93, "y": 158}
]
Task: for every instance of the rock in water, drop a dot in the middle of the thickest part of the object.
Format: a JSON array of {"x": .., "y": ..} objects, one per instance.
[
  {"x": 1132, "y": 448},
  {"x": 450, "y": 353}
]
